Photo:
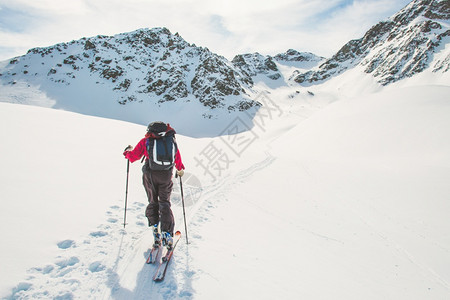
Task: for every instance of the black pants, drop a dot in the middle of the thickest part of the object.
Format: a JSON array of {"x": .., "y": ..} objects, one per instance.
[{"x": 158, "y": 185}]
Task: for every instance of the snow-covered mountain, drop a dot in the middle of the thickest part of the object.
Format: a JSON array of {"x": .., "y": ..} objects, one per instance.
[
  {"x": 145, "y": 75},
  {"x": 255, "y": 65},
  {"x": 299, "y": 60},
  {"x": 137, "y": 65},
  {"x": 406, "y": 44},
  {"x": 153, "y": 74},
  {"x": 152, "y": 67}
]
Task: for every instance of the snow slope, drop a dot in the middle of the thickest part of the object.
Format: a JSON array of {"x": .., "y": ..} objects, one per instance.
[
  {"x": 60, "y": 173},
  {"x": 342, "y": 201},
  {"x": 352, "y": 204}
]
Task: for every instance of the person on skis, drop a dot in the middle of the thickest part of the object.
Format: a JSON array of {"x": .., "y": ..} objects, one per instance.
[{"x": 161, "y": 153}]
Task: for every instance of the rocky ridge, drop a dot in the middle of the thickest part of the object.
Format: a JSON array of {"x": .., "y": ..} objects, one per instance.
[
  {"x": 394, "y": 49},
  {"x": 146, "y": 63},
  {"x": 255, "y": 64}
]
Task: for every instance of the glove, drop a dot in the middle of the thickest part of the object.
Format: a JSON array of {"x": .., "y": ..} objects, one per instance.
[
  {"x": 180, "y": 172},
  {"x": 127, "y": 149}
]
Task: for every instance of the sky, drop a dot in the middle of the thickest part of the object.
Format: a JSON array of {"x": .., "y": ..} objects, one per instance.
[{"x": 226, "y": 27}]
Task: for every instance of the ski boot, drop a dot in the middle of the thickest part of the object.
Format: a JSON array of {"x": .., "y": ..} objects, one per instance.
[
  {"x": 156, "y": 236},
  {"x": 167, "y": 240}
]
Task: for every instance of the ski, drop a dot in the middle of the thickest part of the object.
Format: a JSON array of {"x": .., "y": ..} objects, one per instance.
[
  {"x": 165, "y": 259},
  {"x": 153, "y": 254}
]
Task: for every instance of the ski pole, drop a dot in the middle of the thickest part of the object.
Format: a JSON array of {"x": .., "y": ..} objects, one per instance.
[
  {"x": 128, "y": 148},
  {"x": 126, "y": 196},
  {"x": 184, "y": 212}
]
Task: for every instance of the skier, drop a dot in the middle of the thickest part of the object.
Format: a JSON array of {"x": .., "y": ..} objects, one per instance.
[{"x": 161, "y": 153}]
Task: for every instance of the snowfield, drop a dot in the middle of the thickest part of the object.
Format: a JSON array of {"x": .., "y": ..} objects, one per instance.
[{"x": 326, "y": 197}]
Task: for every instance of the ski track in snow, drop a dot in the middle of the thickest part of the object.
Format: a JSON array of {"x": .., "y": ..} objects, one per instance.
[
  {"x": 106, "y": 254},
  {"x": 179, "y": 277},
  {"x": 110, "y": 254}
]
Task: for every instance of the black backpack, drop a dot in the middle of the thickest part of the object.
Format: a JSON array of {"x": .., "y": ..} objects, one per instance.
[{"x": 161, "y": 146}]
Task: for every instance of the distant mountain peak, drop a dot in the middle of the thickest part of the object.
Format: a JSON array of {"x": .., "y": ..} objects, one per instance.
[
  {"x": 253, "y": 64},
  {"x": 139, "y": 66},
  {"x": 394, "y": 49},
  {"x": 295, "y": 56},
  {"x": 256, "y": 64}
]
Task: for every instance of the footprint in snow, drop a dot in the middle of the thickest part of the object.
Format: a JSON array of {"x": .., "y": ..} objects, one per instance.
[
  {"x": 23, "y": 286},
  {"x": 19, "y": 290},
  {"x": 45, "y": 270},
  {"x": 66, "y": 244},
  {"x": 186, "y": 294},
  {"x": 96, "y": 267},
  {"x": 66, "y": 296},
  {"x": 99, "y": 234},
  {"x": 68, "y": 262}
]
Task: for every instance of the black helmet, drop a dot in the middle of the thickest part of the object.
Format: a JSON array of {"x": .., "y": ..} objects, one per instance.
[{"x": 157, "y": 127}]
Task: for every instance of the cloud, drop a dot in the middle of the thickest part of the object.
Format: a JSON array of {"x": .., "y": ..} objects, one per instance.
[
  {"x": 322, "y": 27},
  {"x": 12, "y": 20},
  {"x": 353, "y": 19},
  {"x": 225, "y": 27}
]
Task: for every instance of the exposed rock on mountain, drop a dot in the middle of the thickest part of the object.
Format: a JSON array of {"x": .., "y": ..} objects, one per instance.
[
  {"x": 394, "y": 49},
  {"x": 300, "y": 57},
  {"x": 254, "y": 64},
  {"x": 140, "y": 65}
]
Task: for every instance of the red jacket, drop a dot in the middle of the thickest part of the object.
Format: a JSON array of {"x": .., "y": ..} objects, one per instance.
[{"x": 141, "y": 150}]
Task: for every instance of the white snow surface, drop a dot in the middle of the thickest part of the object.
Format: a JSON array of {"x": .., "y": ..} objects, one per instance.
[{"x": 327, "y": 197}]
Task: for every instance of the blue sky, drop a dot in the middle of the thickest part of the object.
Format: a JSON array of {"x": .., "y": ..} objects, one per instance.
[{"x": 226, "y": 27}]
